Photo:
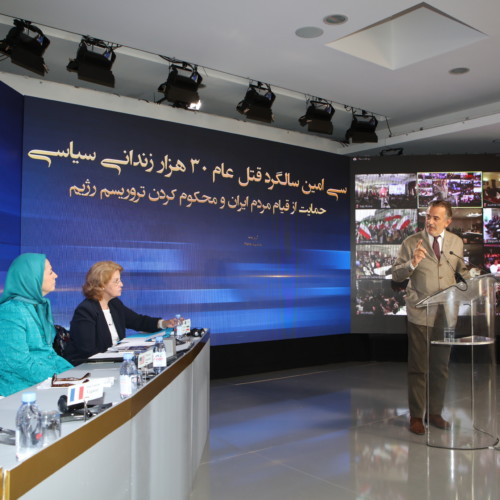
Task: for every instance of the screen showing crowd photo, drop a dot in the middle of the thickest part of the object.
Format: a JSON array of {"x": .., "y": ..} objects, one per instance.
[{"x": 391, "y": 205}]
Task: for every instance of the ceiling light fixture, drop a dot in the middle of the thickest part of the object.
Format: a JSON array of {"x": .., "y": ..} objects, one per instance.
[
  {"x": 318, "y": 117},
  {"x": 392, "y": 152},
  {"x": 362, "y": 129},
  {"x": 25, "y": 44},
  {"x": 181, "y": 87},
  {"x": 458, "y": 71},
  {"x": 93, "y": 62},
  {"x": 335, "y": 19},
  {"x": 258, "y": 103},
  {"x": 309, "y": 32}
]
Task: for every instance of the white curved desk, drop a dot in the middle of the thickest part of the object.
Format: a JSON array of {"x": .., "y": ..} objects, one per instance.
[{"x": 147, "y": 446}]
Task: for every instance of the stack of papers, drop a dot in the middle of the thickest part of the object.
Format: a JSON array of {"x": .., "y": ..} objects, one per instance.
[{"x": 133, "y": 344}]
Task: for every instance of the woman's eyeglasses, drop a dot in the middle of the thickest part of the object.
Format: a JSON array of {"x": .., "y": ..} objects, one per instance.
[{"x": 68, "y": 381}]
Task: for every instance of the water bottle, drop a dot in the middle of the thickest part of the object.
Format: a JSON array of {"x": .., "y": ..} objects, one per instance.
[
  {"x": 159, "y": 356},
  {"x": 128, "y": 376},
  {"x": 28, "y": 427},
  {"x": 141, "y": 375},
  {"x": 178, "y": 327}
]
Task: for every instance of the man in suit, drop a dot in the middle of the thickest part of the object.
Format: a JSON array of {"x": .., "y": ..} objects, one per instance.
[{"x": 430, "y": 260}]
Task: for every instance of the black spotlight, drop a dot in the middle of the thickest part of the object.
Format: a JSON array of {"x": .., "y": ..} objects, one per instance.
[
  {"x": 25, "y": 45},
  {"x": 181, "y": 87},
  {"x": 257, "y": 103},
  {"x": 318, "y": 117},
  {"x": 362, "y": 128},
  {"x": 392, "y": 152},
  {"x": 93, "y": 62}
]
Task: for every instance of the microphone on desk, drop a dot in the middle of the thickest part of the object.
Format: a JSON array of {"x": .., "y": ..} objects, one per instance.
[
  {"x": 458, "y": 277},
  {"x": 467, "y": 264}
]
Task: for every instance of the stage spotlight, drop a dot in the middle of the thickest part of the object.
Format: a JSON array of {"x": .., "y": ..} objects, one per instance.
[
  {"x": 25, "y": 44},
  {"x": 257, "y": 103},
  {"x": 318, "y": 117},
  {"x": 362, "y": 128},
  {"x": 181, "y": 87},
  {"x": 93, "y": 62},
  {"x": 391, "y": 152}
]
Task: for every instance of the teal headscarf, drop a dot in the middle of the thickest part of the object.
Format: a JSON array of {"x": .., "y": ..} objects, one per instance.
[{"x": 24, "y": 282}]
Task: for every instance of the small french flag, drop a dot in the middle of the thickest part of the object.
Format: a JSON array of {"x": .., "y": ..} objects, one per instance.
[{"x": 76, "y": 394}]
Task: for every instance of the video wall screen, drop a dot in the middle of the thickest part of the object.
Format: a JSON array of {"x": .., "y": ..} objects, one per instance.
[
  {"x": 391, "y": 204},
  {"x": 461, "y": 189},
  {"x": 247, "y": 237}
]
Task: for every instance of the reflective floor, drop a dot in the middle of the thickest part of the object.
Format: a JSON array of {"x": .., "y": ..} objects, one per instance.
[{"x": 331, "y": 432}]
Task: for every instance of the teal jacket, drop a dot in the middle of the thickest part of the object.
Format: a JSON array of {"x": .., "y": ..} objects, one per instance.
[{"x": 26, "y": 357}]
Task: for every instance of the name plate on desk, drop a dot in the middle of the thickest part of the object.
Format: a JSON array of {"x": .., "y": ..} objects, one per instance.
[
  {"x": 170, "y": 346},
  {"x": 85, "y": 392},
  {"x": 144, "y": 359},
  {"x": 184, "y": 328}
]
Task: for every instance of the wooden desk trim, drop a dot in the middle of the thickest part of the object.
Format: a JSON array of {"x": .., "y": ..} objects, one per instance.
[{"x": 39, "y": 467}]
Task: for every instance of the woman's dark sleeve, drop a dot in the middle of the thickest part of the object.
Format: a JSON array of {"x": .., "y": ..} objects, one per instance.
[
  {"x": 83, "y": 328},
  {"x": 139, "y": 322}
]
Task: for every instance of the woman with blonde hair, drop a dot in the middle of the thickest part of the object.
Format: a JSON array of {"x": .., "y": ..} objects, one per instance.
[{"x": 100, "y": 321}]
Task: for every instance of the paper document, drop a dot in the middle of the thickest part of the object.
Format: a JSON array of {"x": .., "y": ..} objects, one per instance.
[{"x": 136, "y": 344}]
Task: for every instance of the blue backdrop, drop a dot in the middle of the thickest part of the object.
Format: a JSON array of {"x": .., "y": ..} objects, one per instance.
[
  {"x": 11, "y": 135},
  {"x": 247, "y": 237}
]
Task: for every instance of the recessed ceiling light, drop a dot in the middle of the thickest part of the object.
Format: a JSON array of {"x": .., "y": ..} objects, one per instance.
[
  {"x": 459, "y": 71},
  {"x": 309, "y": 32},
  {"x": 335, "y": 19},
  {"x": 399, "y": 40}
]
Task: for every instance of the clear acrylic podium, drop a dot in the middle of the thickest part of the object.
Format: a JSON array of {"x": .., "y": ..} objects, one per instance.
[{"x": 461, "y": 369}]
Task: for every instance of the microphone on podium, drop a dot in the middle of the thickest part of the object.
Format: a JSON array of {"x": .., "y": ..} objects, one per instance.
[
  {"x": 458, "y": 277},
  {"x": 467, "y": 264}
]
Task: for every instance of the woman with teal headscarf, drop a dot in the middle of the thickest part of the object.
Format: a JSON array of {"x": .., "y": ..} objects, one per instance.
[{"x": 26, "y": 325}]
